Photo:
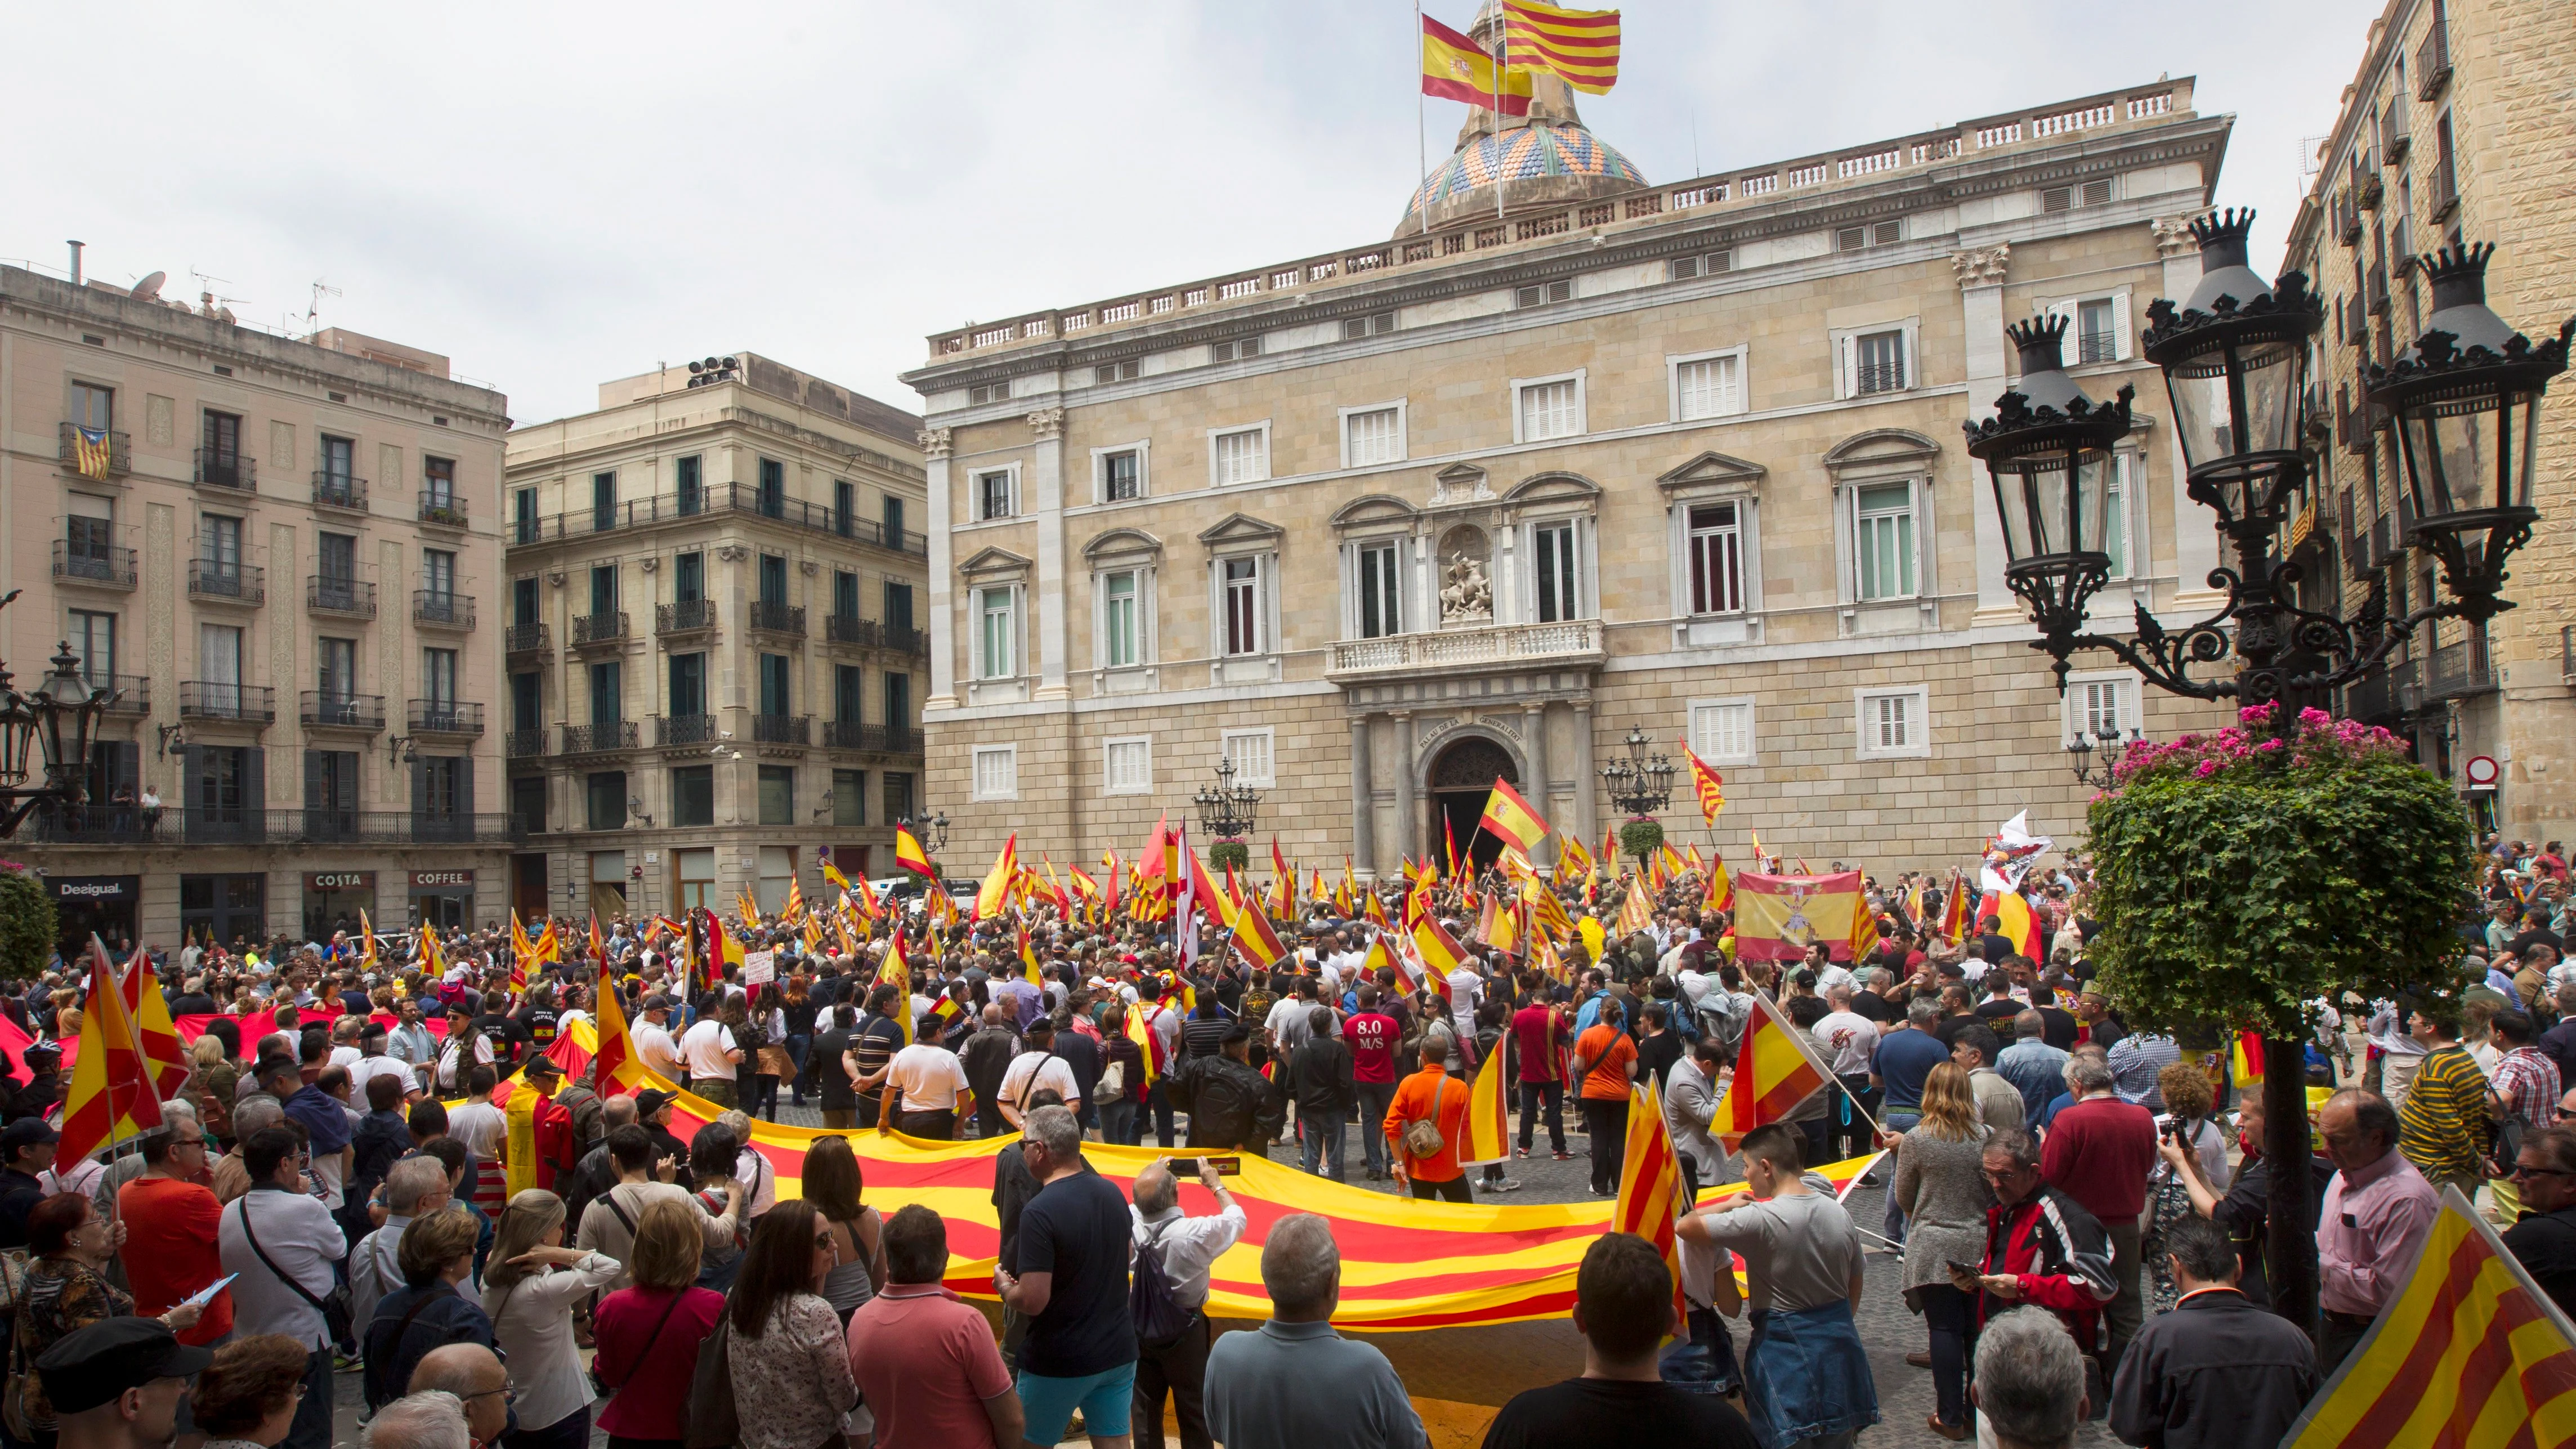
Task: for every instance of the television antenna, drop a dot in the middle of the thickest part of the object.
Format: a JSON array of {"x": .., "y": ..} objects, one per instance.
[{"x": 313, "y": 310}]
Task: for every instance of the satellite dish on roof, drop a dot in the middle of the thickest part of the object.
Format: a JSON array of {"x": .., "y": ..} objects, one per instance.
[
  {"x": 696, "y": 367},
  {"x": 150, "y": 287}
]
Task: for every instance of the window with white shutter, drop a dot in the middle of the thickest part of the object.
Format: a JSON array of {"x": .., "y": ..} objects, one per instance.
[
  {"x": 1372, "y": 438},
  {"x": 1249, "y": 751},
  {"x": 997, "y": 772},
  {"x": 1381, "y": 610},
  {"x": 1242, "y": 456},
  {"x": 1893, "y": 724},
  {"x": 1708, "y": 387},
  {"x": 1129, "y": 766},
  {"x": 1722, "y": 731},
  {"x": 1551, "y": 410}
]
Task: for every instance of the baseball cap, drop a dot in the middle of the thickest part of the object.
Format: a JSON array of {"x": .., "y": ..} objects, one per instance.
[
  {"x": 652, "y": 1100},
  {"x": 94, "y": 1365},
  {"x": 27, "y": 1132},
  {"x": 542, "y": 1066}
]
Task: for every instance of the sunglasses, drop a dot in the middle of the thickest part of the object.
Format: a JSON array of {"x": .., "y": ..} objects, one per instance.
[{"x": 2521, "y": 1171}]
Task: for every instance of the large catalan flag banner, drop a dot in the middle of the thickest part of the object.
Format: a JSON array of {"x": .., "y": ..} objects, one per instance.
[
  {"x": 1777, "y": 917},
  {"x": 2469, "y": 1355},
  {"x": 1456, "y": 68},
  {"x": 1579, "y": 47}
]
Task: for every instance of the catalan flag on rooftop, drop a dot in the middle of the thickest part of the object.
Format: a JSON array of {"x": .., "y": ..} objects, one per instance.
[{"x": 1579, "y": 47}]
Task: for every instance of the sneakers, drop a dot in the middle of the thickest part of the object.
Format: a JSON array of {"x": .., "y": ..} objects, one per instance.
[
  {"x": 1565, "y": 1157},
  {"x": 341, "y": 1363},
  {"x": 1508, "y": 1184},
  {"x": 1520, "y": 1152}
]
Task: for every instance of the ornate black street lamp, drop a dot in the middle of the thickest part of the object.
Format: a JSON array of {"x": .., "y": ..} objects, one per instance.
[
  {"x": 2465, "y": 398},
  {"x": 1227, "y": 810},
  {"x": 57, "y": 719},
  {"x": 932, "y": 831},
  {"x": 1641, "y": 784},
  {"x": 2096, "y": 775}
]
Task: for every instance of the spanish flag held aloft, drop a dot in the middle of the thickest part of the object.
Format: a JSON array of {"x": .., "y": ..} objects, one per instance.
[
  {"x": 909, "y": 854},
  {"x": 154, "y": 1032},
  {"x": 110, "y": 1097},
  {"x": 1489, "y": 1126},
  {"x": 1512, "y": 818},
  {"x": 722, "y": 949},
  {"x": 1579, "y": 47},
  {"x": 1254, "y": 938},
  {"x": 1774, "y": 1072},
  {"x": 2247, "y": 1067},
  {"x": 995, "y": 893},
  {"x": 620, "y": 1071},
  {"x": 2470, "y": 1353},
  {"x": 1778, "y": 916},
  {"x": 1456, "y": 68},
  {"x": 2020, "y": 926}
]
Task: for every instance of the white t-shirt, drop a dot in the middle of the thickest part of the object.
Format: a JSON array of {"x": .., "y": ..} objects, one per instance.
[
  {"x": 654, "y": 1045},
  {"x": 452, "y": 1067},
  {"x": 930, "y": 1078},
  {"x": 1466, "y": 989},
  {"x": 706, "y": 1047},
  {"x": 1846, "y": 1039},
  {"x": 481, "y": 1127},
  {"x": 1017, "y": 1084}
]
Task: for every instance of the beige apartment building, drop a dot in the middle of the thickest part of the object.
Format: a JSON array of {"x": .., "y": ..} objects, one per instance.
[
  {"x": 1381, "y": 525},
  {"x": 272, "y": 547},
  {"x": 2456, "y": 129},
  {"x": 712, "y": 643}
]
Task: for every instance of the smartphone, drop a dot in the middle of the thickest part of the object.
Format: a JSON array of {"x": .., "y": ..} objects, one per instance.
[
  {"x": 1225, "y": 1166},
  {"x": 1970, "y": 1269}
]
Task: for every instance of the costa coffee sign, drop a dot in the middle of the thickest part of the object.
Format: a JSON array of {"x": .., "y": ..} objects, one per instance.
[
  {"x": 422, "y": 880},
  {"x": 340, "y": 880}
]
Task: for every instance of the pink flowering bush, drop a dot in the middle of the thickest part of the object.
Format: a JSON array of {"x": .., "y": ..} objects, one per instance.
[{"x": 2243, "y": 873}]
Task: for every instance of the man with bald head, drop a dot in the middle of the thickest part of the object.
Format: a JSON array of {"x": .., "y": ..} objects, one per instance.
[
  {"x": 475, "y": 1376},
  {"x": 1266, "y": 1391},
  {"x": 1186, "y": 1247}
]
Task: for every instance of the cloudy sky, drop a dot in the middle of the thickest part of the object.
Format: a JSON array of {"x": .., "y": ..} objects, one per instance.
[{"x": 559, "y": 194}]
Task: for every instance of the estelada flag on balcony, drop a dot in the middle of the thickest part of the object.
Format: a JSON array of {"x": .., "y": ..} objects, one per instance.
[
  {"x": 111, "y": 1096},
  {"x": 2470, "y": 1353},
  {"x": 995, "y": 893},
  {"x": 2247, "y": 1063},
  {"x": 909, "y": 854},
  {"x": 92, "y": 453},
  {"x": 1579, "y": 47},
  {"x": 1709, "y": 783},
  {"x": 1774, "y": 1072},
  {"x": 1512, "y": 818},
  {"x": 1456, "y": 68},
  {"x": 1777, "y": 917}
]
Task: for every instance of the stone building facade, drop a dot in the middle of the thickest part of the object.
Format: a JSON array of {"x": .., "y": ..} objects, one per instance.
[
  {"x": 2455, "y": 129},
  {"x": 273, "y": 547},
  {"x": 714, "y": 654},
  {"x": 1381, "y": 525}
]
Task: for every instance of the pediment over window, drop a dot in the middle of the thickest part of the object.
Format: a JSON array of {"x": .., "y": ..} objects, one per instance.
[
  {"x": 994, "y": 561},
  {"x": 1376, "y": 510},
  {"x": 1460, "y": 478},
  {"x": 1123, "y": 543},
  {"x": 1714, "y": 471},
  {"x": 1239, "y": 530},
  {"x": 1882, "y": 448},
  {"x": 1553, "y": 488}
]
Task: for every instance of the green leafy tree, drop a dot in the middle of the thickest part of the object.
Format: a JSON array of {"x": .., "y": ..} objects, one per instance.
[
  {"x": 2244, "y": 874},
  {"x": 1229, "y": 853},
  {"x": 27, "y": 925},
  {"x": 1640, "y": 838}
]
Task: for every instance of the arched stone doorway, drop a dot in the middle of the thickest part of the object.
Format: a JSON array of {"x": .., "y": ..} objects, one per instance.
[{"x": 1462, "y": 775}]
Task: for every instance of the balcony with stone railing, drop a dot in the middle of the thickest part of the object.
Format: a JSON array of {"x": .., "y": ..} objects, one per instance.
[
  {"x": 1757, "y": 189},
  {"x": 1576, "y": 643}
]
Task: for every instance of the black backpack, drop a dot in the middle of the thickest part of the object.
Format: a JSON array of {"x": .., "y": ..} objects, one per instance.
[{"x": 1159, "y": 1317}]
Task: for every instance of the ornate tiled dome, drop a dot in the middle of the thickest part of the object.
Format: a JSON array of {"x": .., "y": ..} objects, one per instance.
[{"x": 1570, "y": 157}]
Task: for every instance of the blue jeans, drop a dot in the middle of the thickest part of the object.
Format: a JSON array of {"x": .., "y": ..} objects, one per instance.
[
  {"x": 1117, "y": 1120},
  {"x": 1161, "y": 1103},
  {"x": 1375, "y": 1098},
  {"x": 312, "y": 1426},
  {"x": 1322, "y": 1136},
  {"x": 1899, "y": 1120},
  {"x": 797, "y": 1047}
]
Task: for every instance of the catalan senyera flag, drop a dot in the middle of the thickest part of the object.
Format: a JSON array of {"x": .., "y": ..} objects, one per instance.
[
  {"x": 1774, "y": 1072},
  {"x": 1650, "y": 1182},
  {"x": 1636, "y": 913},
  {"x": 425, "y": 947},
  {"x": 366, "y": 941},
  {"x": 110, "y": 1097},
  {"x": 1864, "y": 936},
  {"x": 2247, "y": 1063},
  {"x": 994, "y": 894},
  {"x": 2470, "y": 1353},
  {"x": 1580, "y": 47},
  {"x": 1512, "y": 818},
  {"x": 909, "y": 854},
  {"x": 793, "y": 913},
  {"x": 1710, "y": 785},
  {"x": 1778, "y": 916},
  {"x": 1458, "y": 69},
  {"x": 154, "y": 1032}
]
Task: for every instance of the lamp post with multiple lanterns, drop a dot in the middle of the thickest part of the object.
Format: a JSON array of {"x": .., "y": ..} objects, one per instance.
[
  {"x": 2465, "y": 400},
  {"x": 56, "y": 720}
]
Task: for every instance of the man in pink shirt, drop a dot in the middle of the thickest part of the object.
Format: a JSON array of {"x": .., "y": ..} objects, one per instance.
[
  {"x": 2377, "y": 1213},
  {"x": 925, "y": 1360}
]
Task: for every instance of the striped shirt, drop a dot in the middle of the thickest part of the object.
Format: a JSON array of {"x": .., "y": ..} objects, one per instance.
[
  {"x": 2441, "y": 1128},
  {"x": 2529, "y": 1084}
]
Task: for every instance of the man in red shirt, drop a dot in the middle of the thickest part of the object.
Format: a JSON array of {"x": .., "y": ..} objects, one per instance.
[
  {"x": 1540, "y": 1034},
  {"x": 926, "y": 1360},
  {"x": 1372, "y": 1035},
  {"x": 1605, "y": 1060},
  {"x": 170, "y": 1250},
  {"x": 2098, "y": 1152}
]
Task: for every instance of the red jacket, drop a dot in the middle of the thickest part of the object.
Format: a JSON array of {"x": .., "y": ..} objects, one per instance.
[
  {"x": 2060, "y": 1254},
  {"x": 555, "y": 1148}
]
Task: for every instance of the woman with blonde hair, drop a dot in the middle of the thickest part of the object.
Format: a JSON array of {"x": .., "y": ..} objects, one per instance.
[
  {"x": 833, "y": 1185},
  {"x": 530, "y": 1285},
  {"x": 649, "y": 1335},
  {"x": 1941, "y": 1186}
]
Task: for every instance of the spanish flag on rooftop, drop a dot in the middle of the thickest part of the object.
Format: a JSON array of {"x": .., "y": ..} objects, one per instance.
[
  {"x": 1456, "y": 68},
  {"x": 1579, "y": 47}
]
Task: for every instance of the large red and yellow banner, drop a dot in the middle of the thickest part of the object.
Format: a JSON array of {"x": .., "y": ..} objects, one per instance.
[{"x": 1777, "y": 917}]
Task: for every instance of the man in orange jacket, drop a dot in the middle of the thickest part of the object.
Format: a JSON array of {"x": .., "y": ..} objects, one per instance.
[{"x": 1430, "y": 1096}]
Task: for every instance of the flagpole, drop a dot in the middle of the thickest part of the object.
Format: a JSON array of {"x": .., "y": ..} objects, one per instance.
[
  {"x": 1502, "y": 64},
  {"x": 1421, "y": 137}
]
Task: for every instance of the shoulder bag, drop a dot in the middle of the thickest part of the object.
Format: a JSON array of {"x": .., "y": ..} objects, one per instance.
[
  {"x": 1422, "y": 1135},
  {"x": 334, "y": 1308},
  {"x": 714, "y": 1422},
  {"x": 602, "y": 1386}
]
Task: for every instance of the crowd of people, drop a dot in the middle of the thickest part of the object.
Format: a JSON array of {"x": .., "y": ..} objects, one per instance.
[{"x": 2070, "y": 1221}]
